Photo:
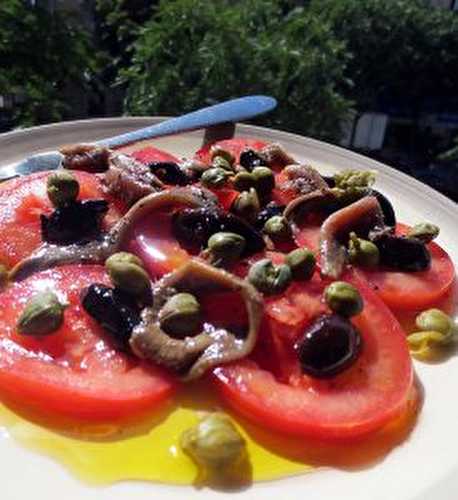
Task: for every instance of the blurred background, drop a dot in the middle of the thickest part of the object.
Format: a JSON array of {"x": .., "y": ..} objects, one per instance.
[{"x": 376, "y": 76}]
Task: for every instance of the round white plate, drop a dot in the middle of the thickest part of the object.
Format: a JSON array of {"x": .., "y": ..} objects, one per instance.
[{"x": 424, "y": 467}]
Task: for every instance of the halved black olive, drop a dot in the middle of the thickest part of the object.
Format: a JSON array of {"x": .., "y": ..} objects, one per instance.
[
  {"x": 249, "y": 159},
  {"x": 113, "y": 309},
  {"x": 192, "y": 227},
  {"x": 329, "y": 346},
  {"x": 169, "y": 172},
  {"x": 73, "y": 223},
  {"x": 270, "y": 210},
  {"x": 400, "y": 252}
]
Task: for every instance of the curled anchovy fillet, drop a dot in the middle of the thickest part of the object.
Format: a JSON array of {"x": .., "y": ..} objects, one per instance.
[
  {"x": 86, "y": 157},
  {"x": 360, "y": 217},
  {"x": 191, "y": 357},
  {"x": 316, "y": 201},
  {"x": 274, "y": 154},
  {"x": 98, "y": 251},
  {"x": 303, "y": 179}
]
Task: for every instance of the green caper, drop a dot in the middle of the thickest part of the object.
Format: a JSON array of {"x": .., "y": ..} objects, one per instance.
[
  {"x": 214, "y": 443},
  {"x": 429, "y": 345},
  {"x": 126, "y": 273},
  {"x": 243, "y": 181},
  {"x": 247, "y": 205},
  {"x": 269, "y": 278},
  {"x": 180, "y": 315},
  {"x": 220, "y": 162},
  {"x": 219, "y": 152},
  {"x": 363, "y": 252},
  {"x": 424, "y": 231},
  {"x": 42, "y": 315},
  {"x": 343, "y": 298},
  {"x": 214, "y": 177},
  {"x": 434, "y": 319},
  {"x": 226, "y": 247},
  {"x": 62, "y": 187},
  {"x": 265, "y": 180},
  {"x": 278, "y": 228},
  {"x": 302, "y": 263},
  {"x": 3, "y": 276}
]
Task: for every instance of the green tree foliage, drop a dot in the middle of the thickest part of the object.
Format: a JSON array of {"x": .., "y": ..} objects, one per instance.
[
  {"x": 196, "y": 52},
  {"x": 41, "y": 54}
]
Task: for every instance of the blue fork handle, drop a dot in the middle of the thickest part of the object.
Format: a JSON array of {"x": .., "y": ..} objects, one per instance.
[{"x": 234, "y": 110}]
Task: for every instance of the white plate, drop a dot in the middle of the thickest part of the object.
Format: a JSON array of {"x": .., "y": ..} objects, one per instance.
[{"x": 424, "y": 467}]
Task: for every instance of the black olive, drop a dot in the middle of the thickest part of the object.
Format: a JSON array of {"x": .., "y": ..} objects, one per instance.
[
  {"x": 400, "y": 252},
  {"x": 113, "y": 309},
  {"x": 192, "y": 227},
  {"x": 270, "y": 210},
  {"x": 389, "y": 217},
  {"x": 250, "y": 159},
  {"x": 329, "y": 346},
  {"x": 169, "y": 172},
  {"x": 73, "y": 223}
]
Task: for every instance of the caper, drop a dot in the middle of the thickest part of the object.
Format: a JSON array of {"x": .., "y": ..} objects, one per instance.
[
  {"x": 247, "y": 205},
  {"x": 343, "y": 298},
  {"x": 429, "y": 345},
  {"x": 424, "y": 231},
  {"x": 127, "y": 274},
  {"x": 269, "y": 278},
  {"x": 219, "y": 152},
  {"x": 3, "y": 276},
  {"x": 434, "y": 319},
  {"x": 243, "y": 181},
  {"x": 220, "y": 162},
  {"x": 214, "y": 177},
  {"x": 302, "y": 263},
  {"x": 265, "y": 180},
  {"x": 214, "y": 443},
  {"x": 62, "y": 187},
  {"x": 42, "y": 315},
  {"x": 226, "y": 247},
  {"x": 180, "y": 315},
  {"x": 363, "y": 252},
  {"x": 278, "y": 228}
]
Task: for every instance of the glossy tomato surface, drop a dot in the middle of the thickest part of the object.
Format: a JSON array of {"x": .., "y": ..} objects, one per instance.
[
  {"x": 235, "y": 146},
  {"x": 271, "y": 391},
  {"x": 23, "y": 200},
  {"x": 151, "y": 154},
  {"x": 74, "y": 372}
]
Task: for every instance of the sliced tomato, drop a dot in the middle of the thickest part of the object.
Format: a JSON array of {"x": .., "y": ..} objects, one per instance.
[
  {"x": 360, "y": 400},
  {"x": 401, "y": 290},
  {"x": 151, "y": 154},
  {"x": 235, "y": 146},
  {"x": 74, "y": 372},
  {"x": 23, "y": 200}
]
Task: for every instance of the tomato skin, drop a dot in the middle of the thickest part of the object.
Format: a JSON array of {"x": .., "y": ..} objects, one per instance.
[
  {"x": 235, "y": 146},
  {"x": 23, "y": 200},
  {"x": 151, "y": 154},
  {"x": 74, "y": 372},
  {"x": 348, "y": 406}
]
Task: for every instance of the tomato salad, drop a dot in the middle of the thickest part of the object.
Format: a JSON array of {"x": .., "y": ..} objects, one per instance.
[{"x": 127, "y": 276}]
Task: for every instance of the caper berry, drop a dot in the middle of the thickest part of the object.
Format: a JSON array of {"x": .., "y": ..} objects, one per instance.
[
  {"x": 302, "y": 263},
  {"x": 3, "y": 276},
  {"x": 343, "y": 298},
  {"x": 243, "y": 181},
  {"x": 424, "y": 231},
  {"x": 429, "y": 345},
  {"x": 278, "y": 228},
  {"x": 265, "y": 180},
  {"x": 126, "y": 273},
  {"x": 219, "y": 152},
  {"x": 247, "y": 205},
  {"x": 214, "y": 177},
  {"x": 180, "y": 315},
  {"x": 62, "y": 187},
  {"x": 269, "y": 278},
  {"x": 329, "y": 345},
  {"x": 434, "y": 319},
  {"x": 220, "y": 162},
  {"x": 214, "y": 443},
  {"x": 363, "y": 252},
  {"x": 226, "y": 247},
  {"x": 42, "y": 315}
]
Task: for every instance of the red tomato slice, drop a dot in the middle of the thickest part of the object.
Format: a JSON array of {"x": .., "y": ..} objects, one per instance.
[
  {"x": 401, "y": 290},
  {"x": 74, "y": 372},
  {"x": 235, "y": 146},
  {"x": 354, "y": 403},
  {"x": 151, "y": 154},
  {"x": 22, "y": 201}
]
